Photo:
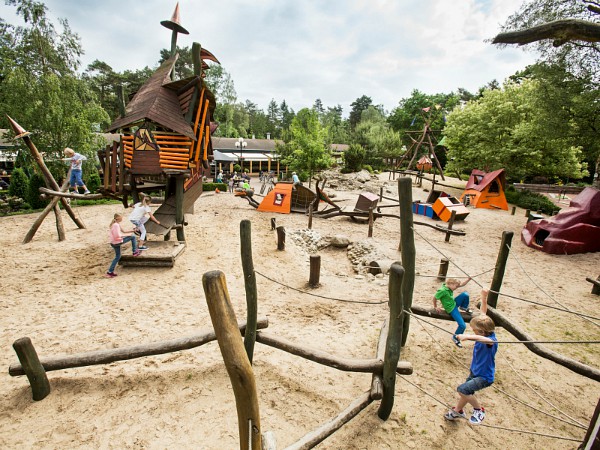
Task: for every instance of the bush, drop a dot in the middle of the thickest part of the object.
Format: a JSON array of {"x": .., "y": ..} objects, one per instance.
[
  {"x": 212, "y": 186},
  {"x": 94, "y": 181},
  {"x": 33, "y": 192},
  {"x": 531, "y": 200},
  {"x": 237, "y": 168},
  {"x": 354, "y": 157},
  {"x": 18, "y": 184},
  {"x": 368, "y": 168}
]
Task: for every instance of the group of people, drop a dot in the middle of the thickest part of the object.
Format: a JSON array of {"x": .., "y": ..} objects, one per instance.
[
  {"x": 483, "y": 364},
  {"x": 234, "y": 181}
]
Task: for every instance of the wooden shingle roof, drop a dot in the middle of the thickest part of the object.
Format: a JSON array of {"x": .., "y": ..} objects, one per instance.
[{"x": 157, "y": 102}]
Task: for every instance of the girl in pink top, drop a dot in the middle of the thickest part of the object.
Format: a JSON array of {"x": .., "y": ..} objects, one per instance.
[{"x": 118, "y": 237}]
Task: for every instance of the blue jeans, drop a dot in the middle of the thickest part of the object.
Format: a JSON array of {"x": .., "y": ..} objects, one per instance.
[
  {"x": 472, "y": 385},
  {"x": 117, "y": 248},
  {"x": 462, "y": 301},
  {"x": 76, "y": 179}
]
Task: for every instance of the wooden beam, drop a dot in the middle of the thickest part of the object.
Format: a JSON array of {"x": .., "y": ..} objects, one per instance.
[
  {"x": 249, "y": 286},
  {"x": 560, "y": 31},
  {"x": 125, "y": 353}
]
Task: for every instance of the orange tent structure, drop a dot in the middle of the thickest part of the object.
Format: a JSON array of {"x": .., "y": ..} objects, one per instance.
[
  {"x": 485, "y": 190},
  {"x": 278, "y": 200}
]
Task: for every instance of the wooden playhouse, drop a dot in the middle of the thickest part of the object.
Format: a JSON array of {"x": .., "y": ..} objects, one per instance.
[{"x": 485, "y": 190}]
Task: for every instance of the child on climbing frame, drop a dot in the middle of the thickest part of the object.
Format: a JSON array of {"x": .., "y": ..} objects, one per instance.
[
  {"x": 118, "y": 237},
  {"x": 76, "y": 160},
  {"x": 140, "y": 215},
  {"x": 453, "y": 306},
  {"x": 483, "y": 365}
]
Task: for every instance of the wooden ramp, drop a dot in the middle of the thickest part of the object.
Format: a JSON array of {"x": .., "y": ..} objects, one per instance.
[
  {"x": 159, "y": 254},
  {"x": 166, "y": 212}
]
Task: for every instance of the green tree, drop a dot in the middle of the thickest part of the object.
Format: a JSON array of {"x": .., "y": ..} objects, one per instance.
[
  {"x": 307, "y": 151},
  {"x": 375, "y": 135},
  {"x": 354, "y": 158},
  {"x": 357, "y": 107},
  {"x": 337, "y": 128},
  {"x": 18, "y": 184},
  {"x": 41, "y": 89},
  {"x": 509, "y": 128},
  {"x": 33, "y": 191}
]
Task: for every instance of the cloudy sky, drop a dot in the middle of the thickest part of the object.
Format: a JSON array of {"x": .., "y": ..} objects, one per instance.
[{"x": 335, "y": 50}]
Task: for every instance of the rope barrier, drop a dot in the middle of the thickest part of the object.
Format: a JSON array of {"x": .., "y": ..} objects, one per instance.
[
  {"x": 319, "y": 296},
  {"x": 583, "y": 316},
  {"x": 492, "y": 426},
  {"x": 505, "y": 342}
]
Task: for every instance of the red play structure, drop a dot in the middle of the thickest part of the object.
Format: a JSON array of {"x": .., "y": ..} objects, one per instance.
[{"x": 575, "y": 229}]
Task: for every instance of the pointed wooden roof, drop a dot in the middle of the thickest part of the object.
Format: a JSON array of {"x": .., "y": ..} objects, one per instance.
[
  {"x": 156, "y": 101},
  {"x": 484, "y": 179}
]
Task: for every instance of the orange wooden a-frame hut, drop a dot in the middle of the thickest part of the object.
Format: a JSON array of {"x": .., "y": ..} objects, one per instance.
[{"x": 485, "y": 190}]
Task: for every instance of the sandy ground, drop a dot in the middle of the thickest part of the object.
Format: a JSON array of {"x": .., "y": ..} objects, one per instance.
[{"x": 55, "y": 293}]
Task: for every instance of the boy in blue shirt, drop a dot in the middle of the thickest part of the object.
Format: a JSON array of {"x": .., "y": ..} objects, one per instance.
[{"x": 483, "y": 365}]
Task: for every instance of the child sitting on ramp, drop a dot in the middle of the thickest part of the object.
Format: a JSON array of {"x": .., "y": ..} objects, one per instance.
[{"x": 140, "y": 215}]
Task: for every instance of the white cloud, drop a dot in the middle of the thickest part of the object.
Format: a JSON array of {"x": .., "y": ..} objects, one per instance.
[{"x": 334, "y": 50}]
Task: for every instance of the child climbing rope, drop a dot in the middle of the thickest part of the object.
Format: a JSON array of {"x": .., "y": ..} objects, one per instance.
[
  {"x": 118, "y": 237},
  {"x": 453, "y": 306},
  {"x": 483, "y": 365},
  {"x": 140, "y": 215}
]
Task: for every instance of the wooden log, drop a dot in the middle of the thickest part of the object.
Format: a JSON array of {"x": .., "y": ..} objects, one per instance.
[
  {"x": 310, "y": 216},
  {"x": 250, "y": 287},
  {"x": 450, "y": 225},
  {"x": 408, "y": 251},
  {"x": 393, "y": 341},
  {"x": 376, "y": 381},
  {"x": 280, "y": 238},
  {"x": 40, "y": 386},
  {"x": 324, "y": 431},
  {"x": 500, "y": 268},
  {"x": 108, "y": 356},
  {"x": 571, "y": 364},
  {"x": 444, "y": 264},
  {"x": 315, "y": 271},
  {"x": 62, "y": 194},
  {"x": 235, "y": 358},
  {"x": 371, "y": 221},
  {"x": 595, "y": 285},
  {"x": 273, "y": 223},
  {"x": 513, "y": 211},
  {"x": 344, "y": 364},
  {"x": 377, "y": 267},
  {"x": 60, "y": 227}
]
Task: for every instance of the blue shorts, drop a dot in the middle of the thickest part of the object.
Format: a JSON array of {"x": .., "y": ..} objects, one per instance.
[
  {"x": 76, "y": 178},
  {"x": 472, "y": 385}
]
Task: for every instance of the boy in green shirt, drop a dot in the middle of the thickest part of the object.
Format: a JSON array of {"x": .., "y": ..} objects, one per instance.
[{"x": 453, "y": 306}]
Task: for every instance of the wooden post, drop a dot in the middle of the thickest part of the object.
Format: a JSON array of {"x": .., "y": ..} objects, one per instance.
[
  {"x": 444, "y": 263},
  {"x": 376, "y": 381},
  {"x": 250, "y": 287},
  {"x": 315, "y": 271},
  {"x": 450, "y": 225},
  {"x": 281, "y": 238},
  {"x": 53, "y": 205},
  {"x": 514, "y": 210},
  {"x": 40, "y": 386},
  {"x": 371, "y": 220},
  {"x": 592, "y": 438},
  {"x": 500, "y": 267},
  {"x": 235, "y": 358},
  {"x": 273, "y": 223},
  {"x": 381, "y": 194},
  {"x": 408, "y": 251},
  {"x": 527, "y": 211},
  {"x": 179, "y": 207},
  {"x": 394, "y": 337},
  {"x": 310, "y": 216}
]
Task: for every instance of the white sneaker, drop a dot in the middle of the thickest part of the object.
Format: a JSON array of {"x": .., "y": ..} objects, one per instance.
[{"x": 477, "y": 417}]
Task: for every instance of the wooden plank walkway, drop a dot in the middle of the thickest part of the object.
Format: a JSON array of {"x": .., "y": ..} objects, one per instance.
[{"x": 159, "y": 254}]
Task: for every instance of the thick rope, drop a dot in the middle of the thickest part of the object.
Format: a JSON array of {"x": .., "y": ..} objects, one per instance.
[
  {"x": 506, "y": 342},
  {"x": 317, "y": 295}
]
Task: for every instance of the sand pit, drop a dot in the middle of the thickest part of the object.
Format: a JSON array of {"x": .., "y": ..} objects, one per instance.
[{"x": 54, "y": 292}]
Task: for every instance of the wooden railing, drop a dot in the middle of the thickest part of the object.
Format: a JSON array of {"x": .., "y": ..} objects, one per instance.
[{"x": 548, "y": 188}]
